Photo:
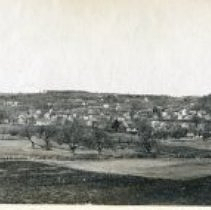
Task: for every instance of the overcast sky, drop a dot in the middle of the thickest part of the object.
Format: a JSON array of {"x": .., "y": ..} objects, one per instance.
[{"x": 127, "y": 46}]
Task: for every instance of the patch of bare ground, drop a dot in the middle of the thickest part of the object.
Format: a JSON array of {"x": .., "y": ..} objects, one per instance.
[{"x": 45, "y": 184}]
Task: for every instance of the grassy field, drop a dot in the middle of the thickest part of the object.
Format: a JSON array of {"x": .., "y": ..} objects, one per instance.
[
  {"x": 181, "y": 174},
  {"x": 32, "y": 182},
  {"x": 171, "y": 148},
  {"x": 162, "y": 168}
]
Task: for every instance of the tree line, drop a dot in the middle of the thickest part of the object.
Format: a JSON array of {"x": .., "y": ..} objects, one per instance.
[{"x": 74, "y": 134}]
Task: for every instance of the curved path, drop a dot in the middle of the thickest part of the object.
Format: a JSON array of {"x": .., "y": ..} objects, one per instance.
[{"x": 175, "y": 169}]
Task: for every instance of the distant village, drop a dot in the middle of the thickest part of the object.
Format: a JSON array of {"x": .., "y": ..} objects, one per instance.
[{"x": 103, "y": 112}]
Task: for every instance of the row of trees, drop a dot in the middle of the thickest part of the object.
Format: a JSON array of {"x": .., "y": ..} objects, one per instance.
[
  {"x": 74, "y": 135},
  {"x": 71, "y": 133}
]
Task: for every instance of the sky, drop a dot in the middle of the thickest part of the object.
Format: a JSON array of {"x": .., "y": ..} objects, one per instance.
[{"x": 122, "y": 46}]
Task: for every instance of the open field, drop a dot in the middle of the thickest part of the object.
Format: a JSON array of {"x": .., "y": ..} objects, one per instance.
[
  {"x": 32, "y": 182},
  {"x": 164, "y": 166},
  {"x": 172, "y": 148},
  {"x": 174, "y": 169},
  {"x": 37, "y": 176}
]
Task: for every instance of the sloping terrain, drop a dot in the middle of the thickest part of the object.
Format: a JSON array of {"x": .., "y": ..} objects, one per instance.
[
  {"x": 174, "y": 169},
  {"x": 30, "y": 182}
]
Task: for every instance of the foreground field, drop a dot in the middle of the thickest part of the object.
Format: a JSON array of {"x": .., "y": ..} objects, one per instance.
[
  {"x": 171, "y": 148},
  {"x": 177, "y": 161},
  {"x": 32, "y": 182},
  {"x": 162, "y": 168},
  {"x": 180, "y": 174}
]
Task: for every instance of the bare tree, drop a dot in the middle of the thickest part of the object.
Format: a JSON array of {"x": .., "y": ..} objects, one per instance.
[
  {"x": 145, "y": 133},
  {"x": 28, "y": 132},
  {"x": 47, "y": 132},
  {"x": 116, "y": 125},
  {"x": 3, "y": 115},
  {"x": 101, "y": 139},
  {"x": 72, "y": 133}
]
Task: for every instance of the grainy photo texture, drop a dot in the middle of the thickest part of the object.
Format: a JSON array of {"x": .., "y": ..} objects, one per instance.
[{"x": 105, "y": 102}]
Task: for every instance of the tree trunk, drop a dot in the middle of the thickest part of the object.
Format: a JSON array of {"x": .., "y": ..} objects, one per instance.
[
  {"x": 72, "y": 148},
  {"x": 99, "y": 149},
  {"x": 33, "y": 145},
  {"x": 47, "y": 146}
]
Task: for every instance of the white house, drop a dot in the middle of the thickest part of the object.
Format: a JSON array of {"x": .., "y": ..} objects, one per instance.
[
  {"x": 207, "y": 117},
  {"x": 184, "y": 112},
  {"x": 185, "y": 125},
  {"x": 105, "y": 106},
  {"x": 146, "y": 99},
  {"x": 42, "y": 122},
  {"x": 85, "y": 118},
  {"x": 47, "y": 115},
  {"x": 22, "y": 119}
]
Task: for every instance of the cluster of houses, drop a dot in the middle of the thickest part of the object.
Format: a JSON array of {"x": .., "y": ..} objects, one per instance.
[
  {"x": 99, "y": 112},
  {"x": 183, "y": 114}
]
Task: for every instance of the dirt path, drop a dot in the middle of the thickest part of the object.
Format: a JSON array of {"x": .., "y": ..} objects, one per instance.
[{"x": 174, "y": 169}]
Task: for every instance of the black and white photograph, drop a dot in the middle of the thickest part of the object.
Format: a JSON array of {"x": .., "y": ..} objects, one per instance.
[{"x": 105, "y": 102}]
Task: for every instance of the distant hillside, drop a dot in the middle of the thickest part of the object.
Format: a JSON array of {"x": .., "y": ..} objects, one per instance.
[
  {"x": 104, "y": 109},
  {"x": 40, "y": 100},
  {"x": 205, "y": 103}
]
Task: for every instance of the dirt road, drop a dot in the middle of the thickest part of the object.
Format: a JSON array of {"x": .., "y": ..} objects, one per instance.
[{"x": 174, "y": 169}]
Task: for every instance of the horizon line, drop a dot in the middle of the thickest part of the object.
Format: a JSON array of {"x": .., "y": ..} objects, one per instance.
[{"x": 99, "y": 92}]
